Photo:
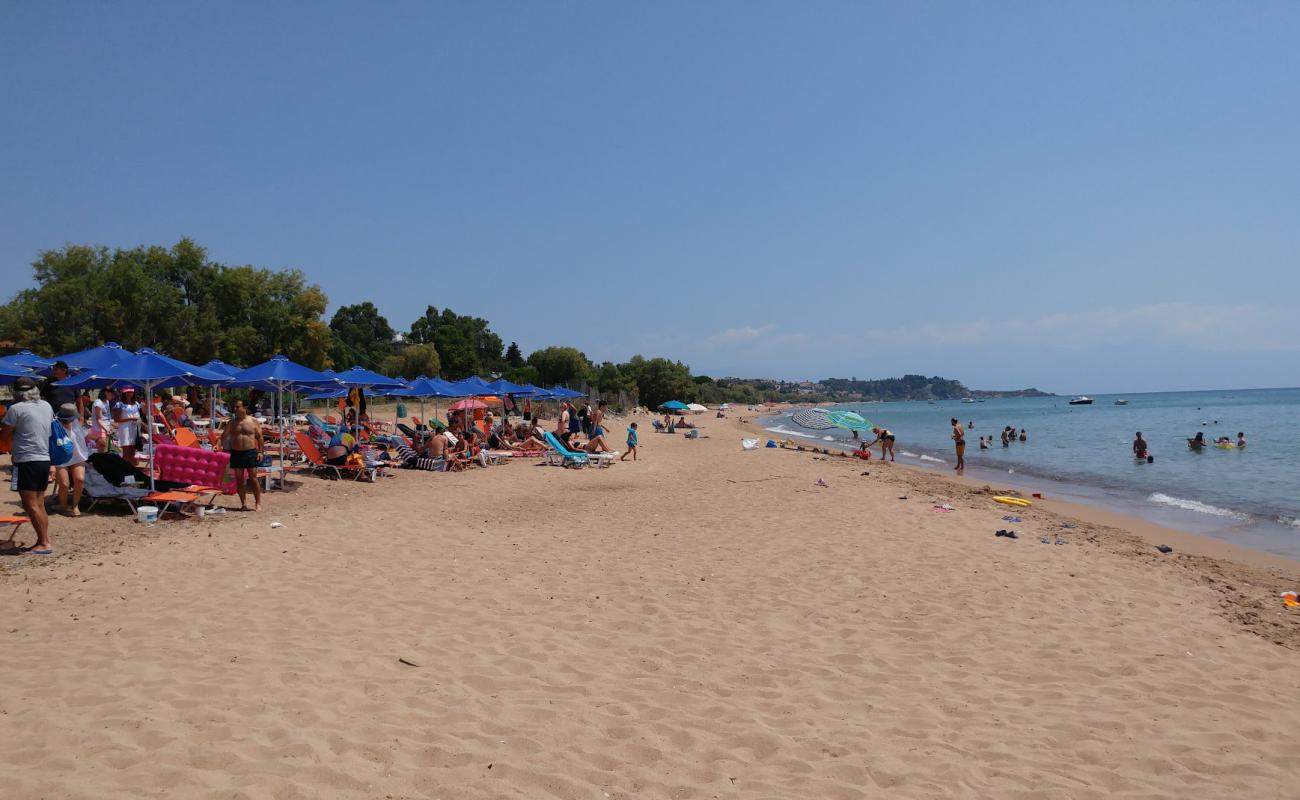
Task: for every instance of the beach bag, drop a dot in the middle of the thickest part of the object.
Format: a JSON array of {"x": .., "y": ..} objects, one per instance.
[
  {"x": 401, "y": 410},
  {"x": 60, "y": 444}
]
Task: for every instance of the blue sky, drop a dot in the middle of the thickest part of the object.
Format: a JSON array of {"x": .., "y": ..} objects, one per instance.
[{"x": 1082, "y": 198}]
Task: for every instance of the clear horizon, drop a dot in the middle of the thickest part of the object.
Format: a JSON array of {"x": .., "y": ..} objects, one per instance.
[{"x": 1086, "y": 200}]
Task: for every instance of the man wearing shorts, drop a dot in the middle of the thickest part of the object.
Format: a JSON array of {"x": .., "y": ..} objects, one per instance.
[
  {"x": 959, "y": 439},
  {"x": 32, "y": 419},
  {"x": 243, "y": 440}
]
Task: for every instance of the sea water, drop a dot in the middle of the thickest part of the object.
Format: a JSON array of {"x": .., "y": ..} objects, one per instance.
[{"x": 1250, "y": 496}]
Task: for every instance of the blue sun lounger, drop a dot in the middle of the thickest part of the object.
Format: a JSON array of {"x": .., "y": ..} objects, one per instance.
[{"x": 565, "y": 456}]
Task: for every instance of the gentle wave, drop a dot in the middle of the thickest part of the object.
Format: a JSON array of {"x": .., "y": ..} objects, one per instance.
[
  {"x": 932, "y": 458},
  {"x": 784, "y": 431},
  {"x": 1196, "y": 505},
  {"x": 1290, "y": 522}
]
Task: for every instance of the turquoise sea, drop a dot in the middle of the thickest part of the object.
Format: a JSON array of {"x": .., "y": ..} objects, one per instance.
[{"x": 1249, "y": 497}]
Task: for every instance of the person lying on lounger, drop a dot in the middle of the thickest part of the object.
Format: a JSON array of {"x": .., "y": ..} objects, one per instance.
[{"x": 682, "y": 423}]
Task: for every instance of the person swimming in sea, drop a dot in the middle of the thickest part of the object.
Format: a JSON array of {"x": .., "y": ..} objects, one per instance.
[
  {"x": 1024, "y": 437},
  {"x": 1197, "y": 441},
  {"x": 1241, "y": 439},
  {"x": 984, "y": 445}
]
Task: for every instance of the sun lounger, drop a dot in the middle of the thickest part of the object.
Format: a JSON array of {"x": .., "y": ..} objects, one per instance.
[
  {"x": 98, "y": 489},
  {"x": 313, "y": 419},
  {"x": 14, "y": 524},
  {"x": 570, "y": 458},
  {"x": 165, "y": 500},
  {"x": 315, "y": 462},
  {"x": 561, "y": 455}
]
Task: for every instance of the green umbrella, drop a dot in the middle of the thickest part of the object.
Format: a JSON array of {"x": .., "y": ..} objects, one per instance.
[{"x": 848, "y": 420}]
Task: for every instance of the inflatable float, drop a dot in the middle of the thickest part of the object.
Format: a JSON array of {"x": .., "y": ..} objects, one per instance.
[{"x": 1012, "y": 501}]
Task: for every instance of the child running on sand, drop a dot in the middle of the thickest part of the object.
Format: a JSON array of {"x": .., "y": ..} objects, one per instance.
[{"x": 631, "y": 443}]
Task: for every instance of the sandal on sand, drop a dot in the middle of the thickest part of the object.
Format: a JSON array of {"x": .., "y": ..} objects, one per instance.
[
  {"x": 1007, "y": 534},
  {"x": 1164, "y": 548},
  {"x": 48, "y": 551},
  {"x": 1012, "y": 519}
]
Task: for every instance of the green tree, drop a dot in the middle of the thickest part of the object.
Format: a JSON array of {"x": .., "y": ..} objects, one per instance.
[
  {"x": 609, "y": 378},
  {"x": 560, "y": 365},
  {"x": 174, "y": 300},
  {"x": 659, "y": 380},
  {"x": 514, "y": 357},
  {"x": 466, "y": 345},
  {"x": 361, "y": 335},
  {"x": 415, "y": 360},
  {"x": 522, "y": 375}
]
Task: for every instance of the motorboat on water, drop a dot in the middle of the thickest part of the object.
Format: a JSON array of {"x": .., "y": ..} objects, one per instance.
[
  {"x": 1121, "y": 402},
  {"x": 1081, "y": 400},
  {"x": 968, "y": 400}
]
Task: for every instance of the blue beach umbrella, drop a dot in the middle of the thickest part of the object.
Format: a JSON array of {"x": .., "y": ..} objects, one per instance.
[
  {"x": 26, "y": 359},
  {"x": 501, "y": 387},
  {"x": 423, "y": 388},
  {"x": 473, "y": 385},
  {"x": 148, "y": 370},
  {"x": 106, "y": 355},
  {"x": 279, "y": 374},
  {"x": 10, "y": 371},
  {"x": 674, "y": 405},
  {"x": 362, "y": 378},
  {"x": 222, "y": 368}
]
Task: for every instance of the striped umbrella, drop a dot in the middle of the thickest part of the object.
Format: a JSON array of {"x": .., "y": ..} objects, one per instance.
[{"x": 814, "y": 418}]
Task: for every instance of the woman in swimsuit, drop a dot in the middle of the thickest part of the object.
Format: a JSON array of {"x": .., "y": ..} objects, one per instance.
[{"x": 886, "y": 440}]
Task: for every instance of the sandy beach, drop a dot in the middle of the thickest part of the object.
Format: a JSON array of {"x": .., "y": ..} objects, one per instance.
[{"x": 703, "y": 623}]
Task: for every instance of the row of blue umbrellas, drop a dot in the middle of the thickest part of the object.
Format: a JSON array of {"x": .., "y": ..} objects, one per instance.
[{"x": 111, "y": 365}]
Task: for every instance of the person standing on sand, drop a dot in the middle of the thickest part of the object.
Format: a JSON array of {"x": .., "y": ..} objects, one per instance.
[
  {"x": 959, "y": 440},
  {"x": 562, "y": 424},
  {"x": 597, "y": 430},
  {"x": 631, "y": 443},
  {"x": 242, "y": 438},
  {"x": 126, "y": 416},
  {"x": 32, "y": 421}
]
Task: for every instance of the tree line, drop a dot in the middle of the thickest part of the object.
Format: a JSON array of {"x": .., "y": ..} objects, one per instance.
[{"x": 186, "y": 305}]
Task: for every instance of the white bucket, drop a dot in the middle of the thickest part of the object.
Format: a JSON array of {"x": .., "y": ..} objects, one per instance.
[{"x": 147, "y": 514}]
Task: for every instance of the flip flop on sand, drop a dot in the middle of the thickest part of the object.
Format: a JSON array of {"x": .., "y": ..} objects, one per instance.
[
  {"x": 1012, "y": 519},
  {"x": 1007, "y": 534},
  {"x": 47, "y": 551},
  {"x": 1164, "y": 548}
]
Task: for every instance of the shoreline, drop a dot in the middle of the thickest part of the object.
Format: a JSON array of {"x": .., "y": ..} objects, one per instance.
[{"x": 1155, "y": 533}]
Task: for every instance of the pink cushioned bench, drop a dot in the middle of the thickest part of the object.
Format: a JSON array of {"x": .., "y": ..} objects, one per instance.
[{"x": 193, "y": 466}]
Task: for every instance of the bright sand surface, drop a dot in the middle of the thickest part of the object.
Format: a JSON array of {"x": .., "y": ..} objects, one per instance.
[{"x": 704, "y": 623}]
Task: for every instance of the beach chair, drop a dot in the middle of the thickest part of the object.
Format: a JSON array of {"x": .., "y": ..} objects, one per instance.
[
  {"x": 186, "y": 438},
  {"x": 14, "y": 524},
  {"x": 98, "y": 489},
  {"x": 315, "y": 462},
  {"x": 561, "y": 455},
  {"x": 316, "y": 421}
]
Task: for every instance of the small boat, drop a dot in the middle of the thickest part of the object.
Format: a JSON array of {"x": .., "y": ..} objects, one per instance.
[
  {"x": 1121, "y": 402},
  {"x": 968, "y": 400},
  {"x": 1081, "y": 400}
]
